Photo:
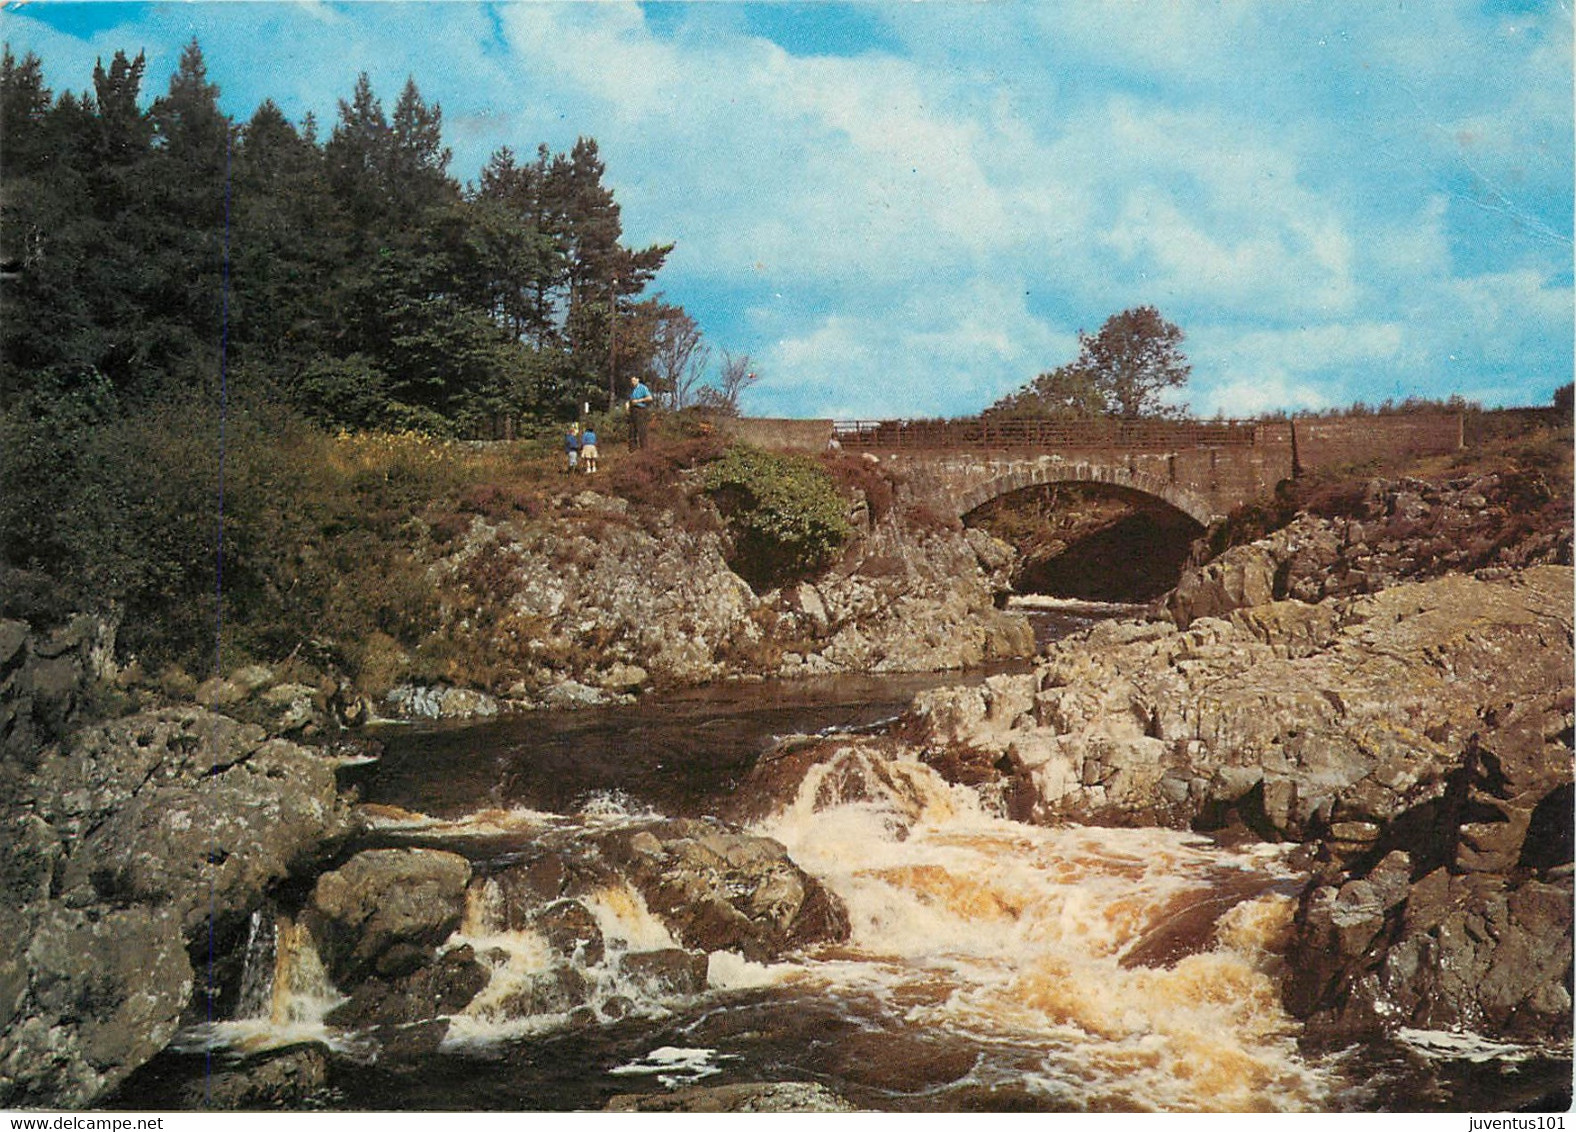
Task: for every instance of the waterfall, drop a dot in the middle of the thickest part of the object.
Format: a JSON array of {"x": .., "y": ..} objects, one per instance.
[
  {"x": 302, "y": 994},
  {"x": 534, "y": 987},
  {"x": 257, "y": 965},
  {"x": 285, "y": 993}
]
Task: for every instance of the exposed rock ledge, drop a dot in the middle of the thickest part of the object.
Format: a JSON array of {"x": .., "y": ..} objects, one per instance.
[
  {"x": 782, "y": 1096},
  {"x": 1419, "y": 739},
  {"x": 1383, "y": 533},
  {"x": 598, "y": 606},
  {"x": 122, "y": 849}
]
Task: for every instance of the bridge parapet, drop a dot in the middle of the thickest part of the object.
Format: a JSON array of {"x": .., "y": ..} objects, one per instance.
[
  {"x": 959, "y": 482},
  {"x": 1047, "y": 435}
]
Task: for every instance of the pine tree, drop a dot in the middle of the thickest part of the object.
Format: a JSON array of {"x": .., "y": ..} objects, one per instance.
[
  {"x": 179, "y": 219},
  {"x": 124, "y": 131},
  {"x": 418, "y": 161},
  {"x": 24, "y": 111},
  {"x": 357, "y": 156},
  {"x": 289, "y": 238}
]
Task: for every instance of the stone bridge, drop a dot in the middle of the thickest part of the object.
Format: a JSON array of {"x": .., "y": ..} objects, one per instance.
[{"x": 1201, "y": 468}]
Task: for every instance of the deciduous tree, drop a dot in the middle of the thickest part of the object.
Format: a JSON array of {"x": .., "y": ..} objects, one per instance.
[
  {"x": 736, "y": 374},
  {"x": 1065, "y": 392},
  {"x": 1123, "y": 371},
  {"x": 1134, "y": 359},
  {"x": 679, "y": 358}
]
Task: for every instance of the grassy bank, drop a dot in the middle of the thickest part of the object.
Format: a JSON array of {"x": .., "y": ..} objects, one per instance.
[{"x": 261, "y": 539}]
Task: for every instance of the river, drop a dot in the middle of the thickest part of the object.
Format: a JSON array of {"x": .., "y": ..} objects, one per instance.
[{"x": 992, "y": 965}]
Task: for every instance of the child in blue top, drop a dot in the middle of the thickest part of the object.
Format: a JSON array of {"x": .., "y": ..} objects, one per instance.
[{"x": 572, "y": 447}]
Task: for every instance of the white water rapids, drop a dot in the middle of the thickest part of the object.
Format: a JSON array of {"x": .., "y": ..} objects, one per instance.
[
  {"x": 1009, "y": 934},
  {"x": 1096, "y": 969}
]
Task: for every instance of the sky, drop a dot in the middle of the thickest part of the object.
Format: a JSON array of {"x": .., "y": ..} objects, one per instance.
[{"x": 911, "y": 209}]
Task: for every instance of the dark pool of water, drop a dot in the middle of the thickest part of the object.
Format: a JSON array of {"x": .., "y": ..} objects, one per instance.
[{"x": 678, "y": 754}]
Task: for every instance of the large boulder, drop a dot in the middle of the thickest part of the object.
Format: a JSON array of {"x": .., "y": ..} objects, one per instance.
[
  {"x": 385, "y": 909},
  {"x": 221, "y": 841},
  {"x": 431, "y": 991},
  {"x": 104, "y": 992},
  {"x": 575, "y": 599},
  {"x": 912, "y": 599},
  {"x": 1241, "y": 578},
  {"x": 46, "y": 678},
  {"x": 125, "y": 846},
  {"x": 718, "y": 888},
  {"x": 1451, "y": 951}
]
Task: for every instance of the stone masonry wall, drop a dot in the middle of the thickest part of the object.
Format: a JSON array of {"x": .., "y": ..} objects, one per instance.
[{"x": 1352, "y": 440}]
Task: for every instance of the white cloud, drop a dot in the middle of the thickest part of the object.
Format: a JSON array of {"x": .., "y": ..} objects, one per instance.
[
  {"x": 1334, "y": 201},
  {"x": 1236, "y": 359},
  {"x": 937, "y": 355},
  {"x": 1501, "y": 319}
]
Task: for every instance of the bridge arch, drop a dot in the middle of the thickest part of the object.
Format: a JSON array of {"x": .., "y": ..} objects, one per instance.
[{"x": 1038, "y": 473}]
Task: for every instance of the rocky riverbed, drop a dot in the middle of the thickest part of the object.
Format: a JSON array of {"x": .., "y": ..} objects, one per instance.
[
  {"x": 1415, "y": 742},
  {"x": 1406, "y": 725}
]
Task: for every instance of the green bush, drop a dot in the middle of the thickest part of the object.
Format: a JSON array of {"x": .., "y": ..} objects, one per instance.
[
  {"x": 105, "y": 512},
  {"x": 784, "y": 513},
  {"x": 45, "y": 469}
]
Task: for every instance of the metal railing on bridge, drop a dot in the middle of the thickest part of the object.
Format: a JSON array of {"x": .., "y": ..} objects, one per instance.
[{"x": 1127, "y": 435}]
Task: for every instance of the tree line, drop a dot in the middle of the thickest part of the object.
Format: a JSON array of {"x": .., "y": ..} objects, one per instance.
[{"x": 147, "y": 251}]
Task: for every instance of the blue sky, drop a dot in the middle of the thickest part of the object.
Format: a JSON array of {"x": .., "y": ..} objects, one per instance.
[{"x": 911, "y": 209}]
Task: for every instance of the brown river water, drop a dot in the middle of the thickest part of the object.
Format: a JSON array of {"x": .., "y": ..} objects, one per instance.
[{"x": 993, "y": 966}]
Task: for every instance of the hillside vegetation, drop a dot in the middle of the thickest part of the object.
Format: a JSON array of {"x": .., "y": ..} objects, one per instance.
[{"x": 1530, "y": 465}]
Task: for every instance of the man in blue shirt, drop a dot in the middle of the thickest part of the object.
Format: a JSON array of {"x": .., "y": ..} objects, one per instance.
[{"x": 640, "y": 400}]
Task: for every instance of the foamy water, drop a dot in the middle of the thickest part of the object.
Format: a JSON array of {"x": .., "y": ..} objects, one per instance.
[
  {"x": 285, "y": 999},
  {"x": 1108, "y": 968},
  {"x": 1095, "y": 968},
  {"x": 518, "y": 959},
  {"x": 1003, "y": 933}
]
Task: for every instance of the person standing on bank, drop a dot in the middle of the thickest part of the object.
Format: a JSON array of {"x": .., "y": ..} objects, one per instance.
[
  {"x": 639, "y": 414},
  {"x": 572, "y": 447},
  {"x": 588, "y": 451}
]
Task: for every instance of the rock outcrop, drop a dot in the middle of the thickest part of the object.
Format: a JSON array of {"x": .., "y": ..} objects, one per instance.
[
  {"x": 1384, "y": 533},
  {"x": 124, "y": 846},
  {"x": 1419, "y": 738},
  {"x": 45, "y": 678},
  {"x": 901, "y": 601},
  {"x": 601, "y": 604}
]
